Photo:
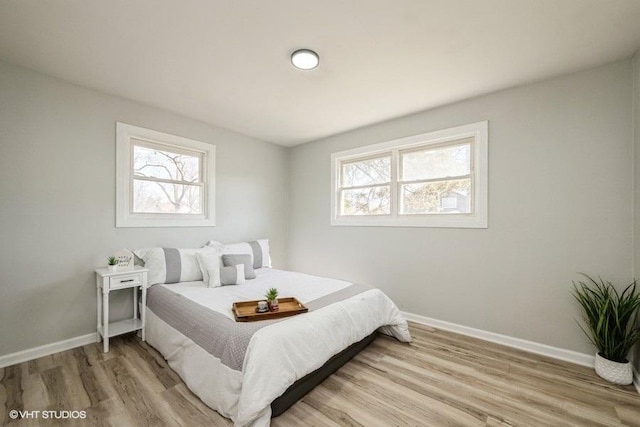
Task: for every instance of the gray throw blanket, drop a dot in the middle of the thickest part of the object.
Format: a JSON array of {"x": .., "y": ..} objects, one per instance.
[{"x": 217, "y": 334}]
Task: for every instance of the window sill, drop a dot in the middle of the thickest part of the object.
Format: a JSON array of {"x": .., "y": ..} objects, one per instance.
[
  {"x": 158, "y": 221},
  {"x": 439, "y": 221}
]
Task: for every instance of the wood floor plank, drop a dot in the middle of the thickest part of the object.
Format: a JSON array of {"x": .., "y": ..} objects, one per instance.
[
  {"x": 41, "y": 364},
  {"x": 494, "y": 385},
  {"x": 109, "y": 412},
  {"x": 412, "y": 399},
  {"x": 144, "y": 360},
  {"x": 35, "y": 396},
  {"x": 191, "y": 413},
  {"x": 138, "y": 402},
  {"x": 628, "y": 415},
  {"x": 457, "y": 392},
  {"x": 410, "y": 407},
  {"x": 333, "y": 411},
  {"x": 301, "y": 414},
  {"x": 153, "y": 360},
  {"x": 12, "y": 382},
  {"x": 3, "y": 399},
  {"x": 53, "y": 379},
  {"x": 441, "y": 378},
  {"x": 94, "y": 390},
  {"x": 213, "y": 417}
]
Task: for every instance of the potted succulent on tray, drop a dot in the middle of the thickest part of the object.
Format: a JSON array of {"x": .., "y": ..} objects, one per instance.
[
  {"x": 112, "y": 263},
  {"x": 272, "y": 299},
  {"x": 611, "y": 325}
]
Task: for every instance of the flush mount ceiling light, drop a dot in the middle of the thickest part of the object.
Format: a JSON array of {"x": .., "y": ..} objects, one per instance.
[{"x": 305, "y": 59}]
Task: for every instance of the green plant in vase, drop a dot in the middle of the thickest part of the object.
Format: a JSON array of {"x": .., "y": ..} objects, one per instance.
[
  {"x": 611, "y": 320},
  {"x": 272, "y": 299},
  {"x": 112, "y": 263}
]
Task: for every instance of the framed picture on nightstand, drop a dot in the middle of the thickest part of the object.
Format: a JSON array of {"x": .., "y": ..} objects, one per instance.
[{"x": 125, "y": 260}]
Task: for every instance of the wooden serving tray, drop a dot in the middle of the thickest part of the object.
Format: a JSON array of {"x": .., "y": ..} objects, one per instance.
[{"x": 245, "y": 311}]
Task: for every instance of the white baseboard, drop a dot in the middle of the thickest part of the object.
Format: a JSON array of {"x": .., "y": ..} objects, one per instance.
[
  {"x": 47, "y": 349},
  {"x": 530, "y": 346}
]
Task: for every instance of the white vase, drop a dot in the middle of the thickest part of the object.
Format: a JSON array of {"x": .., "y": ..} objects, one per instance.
[
  {"x": 112, "y": 268},
  {"x": 615, "y": 372}
]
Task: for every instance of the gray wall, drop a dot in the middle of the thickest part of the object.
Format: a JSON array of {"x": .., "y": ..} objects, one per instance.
[
  {"x": 560, "y": 183},
  {"x": 57, "y": 186},
  {"x": 636, "y": 179}
]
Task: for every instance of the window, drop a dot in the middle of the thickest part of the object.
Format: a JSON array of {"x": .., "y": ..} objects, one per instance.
[
  {"x": 366, "y": 186},
  {"x": 432, "y": 178},
  {"x": 163, "y": 180},
  {"x": 438, "y": 179}
]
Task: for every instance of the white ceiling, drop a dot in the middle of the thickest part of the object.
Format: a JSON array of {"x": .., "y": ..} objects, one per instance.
[{"x": 227, "y": 62}]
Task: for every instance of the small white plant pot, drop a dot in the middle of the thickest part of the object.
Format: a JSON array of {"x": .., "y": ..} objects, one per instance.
[
  {"x": 614, "y": 372},
  {"x": 112, "y": 268}
]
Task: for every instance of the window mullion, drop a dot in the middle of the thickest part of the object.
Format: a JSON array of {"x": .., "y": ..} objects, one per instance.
[
  {"x": 360, "y": 187},
  {"x": 204, "y": 179},
  {"x": 167, "y": 181},
  {"x": 394, "y": 183},
  {"x": 443, "y": 179}
]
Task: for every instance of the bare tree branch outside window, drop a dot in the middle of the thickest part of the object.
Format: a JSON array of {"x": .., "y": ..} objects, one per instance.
[
  {"x": 367, "y": 187},
  {"x": 166, "y": 182}
]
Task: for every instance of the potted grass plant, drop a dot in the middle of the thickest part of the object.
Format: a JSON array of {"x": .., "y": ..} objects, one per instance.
[
  {"x": 611, "y": 325},
  {"x": 112, "y": 263},
  {"x": 272, "y": 299}
]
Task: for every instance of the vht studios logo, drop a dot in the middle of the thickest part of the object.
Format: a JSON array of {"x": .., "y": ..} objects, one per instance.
[{"x": 51, "y": 415}]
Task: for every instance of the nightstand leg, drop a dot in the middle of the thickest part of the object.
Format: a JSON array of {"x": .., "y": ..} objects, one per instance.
[
  {"x": 105, "y": 322},
  {"x": 99, "y": 302},
  {"x": 135, "y": 302},
  {"x": 143, "y": 311}
]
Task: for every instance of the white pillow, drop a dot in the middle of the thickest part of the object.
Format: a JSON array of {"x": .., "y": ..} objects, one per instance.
[
  {"x": 213, "y": 278},
  {"x": 258, "y": 249},
  {"x": 209, "y": 262},
  {"x": 170, "y": 265}
]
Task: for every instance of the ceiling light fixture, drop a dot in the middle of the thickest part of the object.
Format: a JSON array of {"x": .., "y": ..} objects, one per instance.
[{"x": 305, "y": 59}]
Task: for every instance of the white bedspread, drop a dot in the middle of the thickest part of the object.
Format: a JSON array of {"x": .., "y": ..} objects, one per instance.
[{"x": 279, "y": 354}]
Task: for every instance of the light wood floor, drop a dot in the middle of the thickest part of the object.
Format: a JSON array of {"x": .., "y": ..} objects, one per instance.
[{"x": 440, "y": 379}]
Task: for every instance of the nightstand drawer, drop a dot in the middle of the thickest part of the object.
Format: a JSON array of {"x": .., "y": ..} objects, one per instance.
[{"x": 125, "y": 281}]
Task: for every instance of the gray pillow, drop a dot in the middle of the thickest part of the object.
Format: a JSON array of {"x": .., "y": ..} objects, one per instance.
[
  {"x": 233, "y": 275},
  {"x": 233, "y": 260}
]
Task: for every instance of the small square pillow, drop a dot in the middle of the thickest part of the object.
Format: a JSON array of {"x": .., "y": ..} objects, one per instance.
[
  {"x": 233, "y": 260},
  {"x": 209, "y": 260},
  {"x": 232, "y": 275}
]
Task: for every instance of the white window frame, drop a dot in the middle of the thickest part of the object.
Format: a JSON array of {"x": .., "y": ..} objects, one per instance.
[
  {"x": 125, "y": 217},
  {"x": 478, "y": 218}
]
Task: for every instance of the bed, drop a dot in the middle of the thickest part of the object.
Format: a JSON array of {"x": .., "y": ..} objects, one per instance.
[{"x": 249, "y": 371}]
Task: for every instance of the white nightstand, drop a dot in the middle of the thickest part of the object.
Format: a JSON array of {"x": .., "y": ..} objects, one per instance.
[{"x": 106, "y": 282}]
